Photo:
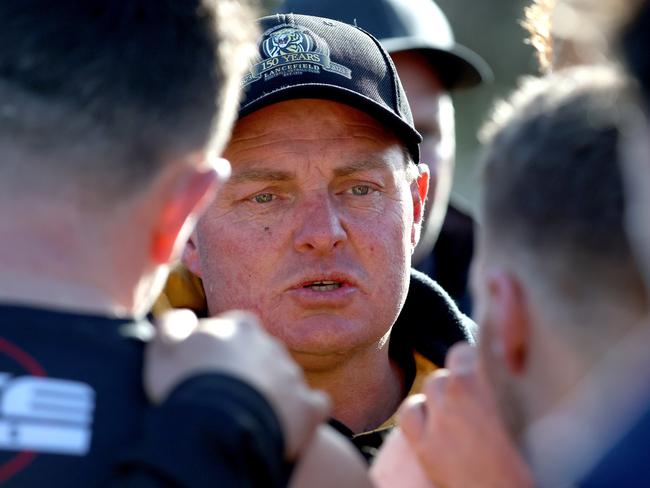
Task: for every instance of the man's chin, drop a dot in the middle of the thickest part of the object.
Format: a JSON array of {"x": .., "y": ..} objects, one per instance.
[
  {"x": 324, "y": 351},
  {"x": 317, "y": 362},
  {"x": 326, "y": 340}
]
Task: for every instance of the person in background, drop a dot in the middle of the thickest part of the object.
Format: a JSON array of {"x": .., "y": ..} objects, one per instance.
[
  {"x": 560, "y": 299},
  {"x": 431, "y": 66},
  {"x": 112, "y": 115},
  {"x": 315, "y": 229},
  {"x": 624, "y": 463}
]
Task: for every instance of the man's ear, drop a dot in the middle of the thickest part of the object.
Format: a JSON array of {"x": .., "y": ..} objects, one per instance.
[
  {"x": 508, "y": 315},
  {"x": 190, "y": 257},
  {"x": 419, "y": 189},
  {"x": 434, "y": 174},
  {"x": 185, "y": 196}
]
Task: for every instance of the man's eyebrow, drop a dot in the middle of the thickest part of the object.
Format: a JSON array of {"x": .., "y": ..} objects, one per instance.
[
  {"x": 254, "y": 174},
  {"x": 359, "y": 166}
]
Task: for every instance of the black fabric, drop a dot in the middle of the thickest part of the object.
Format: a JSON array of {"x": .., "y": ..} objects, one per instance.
[
  {"x": 303, "y": 56},
  {"x": 450, "y": 260},
  {"x": 213, "y": 430},
  {"x": 429, "y": 323},
  {"x": 400, "y": 26},
  {"x": 367, "y": 443}
]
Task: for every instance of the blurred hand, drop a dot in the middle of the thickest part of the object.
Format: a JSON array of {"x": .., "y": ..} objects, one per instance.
[
  {"x": 236, "y": 345},
  {"x": 456, "y": 431},
  {"x": 396, "y": 465},
  {"x": 330, "y": 460}
]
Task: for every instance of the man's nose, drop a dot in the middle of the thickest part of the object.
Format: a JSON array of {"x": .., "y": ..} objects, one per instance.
[{"x": 320, "y": 228}]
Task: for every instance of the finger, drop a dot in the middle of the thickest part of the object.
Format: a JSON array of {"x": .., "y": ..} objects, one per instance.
[
  {"x": 412, "y": 417},
  {"x": 464, "y": 362},
  {"x": 228, "y": 323},
  {"x": 435, "y": 386},
  {"x": 300, "y": 429},
  {"x": 246, "y": 319},
  {"x": 461, "y": 359},
  {"x": 175, "y": 326},
  {"x": 321, "y": 404}
]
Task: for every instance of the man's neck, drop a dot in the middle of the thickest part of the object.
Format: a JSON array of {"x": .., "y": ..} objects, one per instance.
[
  {"x": 57, "y": 263},
  {"x": 565, "y": 444},
  {"x": 365, "y": 391},
  {"x": 45, "y": 292}
]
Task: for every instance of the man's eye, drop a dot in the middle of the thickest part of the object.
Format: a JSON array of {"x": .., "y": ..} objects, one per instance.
[
  {"x": 263, "y": 198},
  {"x": 360, "y": 190}
]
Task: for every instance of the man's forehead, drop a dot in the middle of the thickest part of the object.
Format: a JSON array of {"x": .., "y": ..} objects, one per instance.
[
  {"x": 295, "y": 135},
  {"x": 279, "y": 168},
  {"x": 308, "y": 119}
]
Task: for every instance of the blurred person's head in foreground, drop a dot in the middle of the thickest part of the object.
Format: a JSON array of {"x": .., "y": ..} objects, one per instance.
[
  {"x": 555, "y": 280},
  {"x": 623, "y": 462},
  {"x": 430, "y": 64},
  {"x": 314, "y": 231},
  {"x": 110, "y": 113}
]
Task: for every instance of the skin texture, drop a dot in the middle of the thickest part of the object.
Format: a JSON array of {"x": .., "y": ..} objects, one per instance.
[
  {"x": 235, "y": 344},
  {"x": 318, "y": 192},
  {"x": 398, "y": 465},
  {"x": 456, "y": 431},
  {"x": 330, "y": 460},
  {"x": 498, "y": 298},
  {"x": 52, "y": 261},
  {"x": 433, "y": 115},
  {"x": 525, "y": 319}
]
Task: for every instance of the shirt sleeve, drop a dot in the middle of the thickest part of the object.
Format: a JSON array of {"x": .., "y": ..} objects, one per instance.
[{"x": 213, "y": 430}]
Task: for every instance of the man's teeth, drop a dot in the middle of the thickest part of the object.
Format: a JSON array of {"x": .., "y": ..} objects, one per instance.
[{"x": 324, "y": 285}]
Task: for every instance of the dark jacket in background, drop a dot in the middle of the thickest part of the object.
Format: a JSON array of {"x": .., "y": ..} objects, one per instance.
[{"x": 449, "y": 262}]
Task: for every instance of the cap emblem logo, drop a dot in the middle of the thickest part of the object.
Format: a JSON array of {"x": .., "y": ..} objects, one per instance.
[
  {"x": 287, "y": 41},
  {"x": 287, "y": 50}
]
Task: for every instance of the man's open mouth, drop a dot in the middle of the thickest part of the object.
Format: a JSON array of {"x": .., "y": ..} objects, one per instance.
[{"x": 324, "y": 285}]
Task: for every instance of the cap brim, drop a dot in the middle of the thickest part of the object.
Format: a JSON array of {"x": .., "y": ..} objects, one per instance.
[
  {"x": 457, "y": 66},
  {"x": 392, "y": 122}
]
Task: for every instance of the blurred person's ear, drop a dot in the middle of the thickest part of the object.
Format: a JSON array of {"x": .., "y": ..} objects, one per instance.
[
  {"x": 184, "y": 192},
  {"x": 508, "y": 316},
  {"x": 419, "y": 189}
]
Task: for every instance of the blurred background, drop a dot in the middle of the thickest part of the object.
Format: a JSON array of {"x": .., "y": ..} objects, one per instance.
[{"x": 493, "y": 29}]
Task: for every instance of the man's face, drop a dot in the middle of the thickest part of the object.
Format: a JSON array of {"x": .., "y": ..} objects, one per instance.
[
  {"x": 433, "y": 115},
  {"x": 313, "y": 231}
]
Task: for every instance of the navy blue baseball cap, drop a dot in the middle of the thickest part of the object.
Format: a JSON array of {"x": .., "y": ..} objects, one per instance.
[
  {"x": 405, "y": 25},
  {"x": 301, "y": 56}
]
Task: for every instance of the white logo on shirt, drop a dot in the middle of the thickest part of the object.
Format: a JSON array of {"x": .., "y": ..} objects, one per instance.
[{"x": 45, "y": 415}]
